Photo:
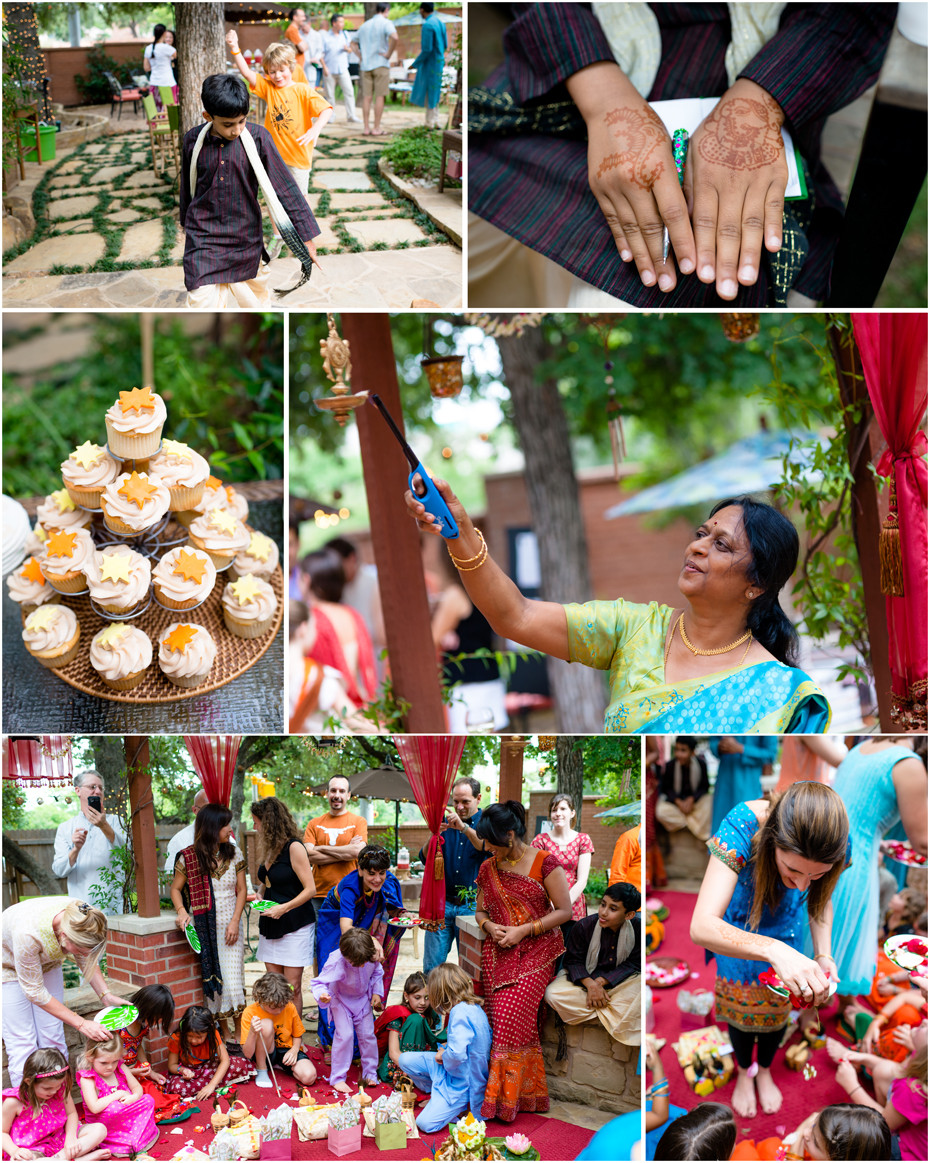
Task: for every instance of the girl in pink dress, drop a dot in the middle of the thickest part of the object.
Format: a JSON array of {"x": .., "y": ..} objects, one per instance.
[
  {"x": 572, "y": 850},
  {"x": 40, "y": 1119},
  {"x": 115, "y": 1096}
]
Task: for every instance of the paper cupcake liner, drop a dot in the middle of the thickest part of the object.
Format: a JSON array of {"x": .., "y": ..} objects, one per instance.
[
  {"x": 27, "y": 608},
  {"x": 170, "y": 604},
  {"x": 184, "y": 499},
  {"x": 116, "y": 525},
  {"x": 186, "y": 517},
  {"x": 222, "y": 561},
  {"x": 118, "y": 613},
  {"x": 135, "y": 448},
  {"x": 86, "y": 499},
  {"x": 51, "y": 661},
  {"x": 72, "y": 582},
  {"x": 124, "y": 684},
  {"x": 188, "y": 681},
  {"x": 247, "y": 629}
]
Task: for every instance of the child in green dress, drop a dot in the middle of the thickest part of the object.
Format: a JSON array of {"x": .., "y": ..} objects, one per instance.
[{"x": 410, "y": 1026}]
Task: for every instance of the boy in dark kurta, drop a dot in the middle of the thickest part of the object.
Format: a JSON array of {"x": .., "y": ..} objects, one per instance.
[{"x": 223, "y": 220}]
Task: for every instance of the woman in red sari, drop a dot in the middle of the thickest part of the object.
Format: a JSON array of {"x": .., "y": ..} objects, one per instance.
[{"x": 523, "y": 898}]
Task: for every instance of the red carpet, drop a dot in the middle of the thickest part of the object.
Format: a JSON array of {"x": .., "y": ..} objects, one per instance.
[
  {"x": 800, "y": 1097},
  {"x": 551, "y": 1137}
]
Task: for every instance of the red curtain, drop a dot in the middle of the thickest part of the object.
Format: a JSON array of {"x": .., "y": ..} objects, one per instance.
[
  {"x": 893, "y": 348},
  {"x": 431, "y": 763},
  {"x": 40, "y": 762},
  {"x": 214, "y": 759}
]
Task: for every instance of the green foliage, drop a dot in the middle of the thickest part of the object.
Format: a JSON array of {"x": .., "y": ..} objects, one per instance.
[
  {"x": 223, "y": 392},
  {"x": 415, "y": 153},
  {"x": 597, "y": 883},
  {"x": 612, "y": 768},
  {"x": 117, "y": 879},
  {"x": 52, "y": 19},
  {"x": 93, "y": 86},
  {"x": 906, "y": 281}
]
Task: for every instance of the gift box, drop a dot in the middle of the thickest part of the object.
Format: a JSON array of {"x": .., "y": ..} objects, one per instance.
[
  {"x": 390, "y": 1136},
  {"x": 345, "y": 1140},
  {"x": 313, "y": 1121}
]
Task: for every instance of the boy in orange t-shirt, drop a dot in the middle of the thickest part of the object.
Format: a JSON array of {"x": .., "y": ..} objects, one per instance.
[{"x": 273, "y": 1024}]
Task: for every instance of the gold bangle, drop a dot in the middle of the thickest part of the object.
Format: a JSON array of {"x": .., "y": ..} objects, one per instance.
[{"x": 460, "y": 561}]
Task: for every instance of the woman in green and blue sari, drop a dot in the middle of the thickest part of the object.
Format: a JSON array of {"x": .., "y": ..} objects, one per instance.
[{"x": 725, "y": 660}]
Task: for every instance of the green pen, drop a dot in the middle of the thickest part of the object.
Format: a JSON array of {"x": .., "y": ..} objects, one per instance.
[{"x": 679, "y": 153}]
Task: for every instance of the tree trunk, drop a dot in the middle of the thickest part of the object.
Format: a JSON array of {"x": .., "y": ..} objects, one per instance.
[
  {"x": 555, "y": 507},
  {"x": 200, "y": 32},
  {"x": 110, "y": 762},
  {"x": 570, "y": 763},
  {"x": 40, "y": 876},
  {"x": 22, "y": 38}
]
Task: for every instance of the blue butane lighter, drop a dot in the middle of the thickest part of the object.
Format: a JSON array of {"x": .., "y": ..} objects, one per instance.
[{"x": 420, "y": 484}]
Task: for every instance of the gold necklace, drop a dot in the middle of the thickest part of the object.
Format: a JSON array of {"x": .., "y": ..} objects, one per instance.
[
  {"x": 513, "y": 863},
  {"x": 747, "y": 638}
]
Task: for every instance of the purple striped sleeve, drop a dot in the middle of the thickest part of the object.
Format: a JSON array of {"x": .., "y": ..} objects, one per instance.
[{"x": 548, "y": 43}]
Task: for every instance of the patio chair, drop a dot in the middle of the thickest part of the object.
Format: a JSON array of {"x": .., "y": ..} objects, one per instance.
[
  {"x": 166, "y": 92},
  {"x": 452, "y": 143},
  {"x": 120, "y": 94},
  {"x": 162, "y": 138}
]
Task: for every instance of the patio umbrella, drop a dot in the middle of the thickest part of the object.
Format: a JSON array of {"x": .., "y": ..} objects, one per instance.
[
  {"x": 631, "y": 812},
  {"x": 751, "y": 465},
  {"x": 385, "y": 783},
  {"x": 416, "y": 18}
]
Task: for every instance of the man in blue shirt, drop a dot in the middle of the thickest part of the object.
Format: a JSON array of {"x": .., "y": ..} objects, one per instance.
[
  {"x": 377, "y": 38},
  {"x": 462, "y": 854}
]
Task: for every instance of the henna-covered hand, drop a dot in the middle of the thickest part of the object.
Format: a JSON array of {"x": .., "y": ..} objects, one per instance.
[
  {"x": 632, "y": 174},
  {"x": 735, "y": 179}
]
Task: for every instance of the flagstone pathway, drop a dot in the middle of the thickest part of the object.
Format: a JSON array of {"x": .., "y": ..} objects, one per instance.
[{"x": 107, "y": 232}]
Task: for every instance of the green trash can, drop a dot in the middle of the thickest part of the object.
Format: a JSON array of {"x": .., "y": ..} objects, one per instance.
[{"x": 46, "y": 138}]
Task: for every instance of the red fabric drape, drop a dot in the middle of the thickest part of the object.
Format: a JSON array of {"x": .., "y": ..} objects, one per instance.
[
  {"x": 43, "y": 762},
  {"x": 214, "y": 759},
  {"x": 893, "y": 349},
  {"x": 431, "y": 763}
]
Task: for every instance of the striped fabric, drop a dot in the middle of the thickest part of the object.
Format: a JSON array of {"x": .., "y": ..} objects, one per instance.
[
  {"x": 534, "y": 185},
  {"x": 223, "y": 223}
]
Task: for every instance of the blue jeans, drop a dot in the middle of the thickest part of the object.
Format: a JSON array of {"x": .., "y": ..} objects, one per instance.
[{"x": 436, "y": 946}]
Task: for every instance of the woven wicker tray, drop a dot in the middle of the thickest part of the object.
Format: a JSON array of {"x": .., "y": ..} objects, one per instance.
[{"x": 234, "y": 655}]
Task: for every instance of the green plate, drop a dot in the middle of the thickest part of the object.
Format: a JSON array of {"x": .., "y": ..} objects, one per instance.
[
  {"x": 117, "y": 1017},
  {"x": 192, "y": 939},
  {"x": 264, "y": 906}
]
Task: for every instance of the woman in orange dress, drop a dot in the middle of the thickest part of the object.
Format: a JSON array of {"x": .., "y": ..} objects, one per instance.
[{"x": 523, "y": 898}]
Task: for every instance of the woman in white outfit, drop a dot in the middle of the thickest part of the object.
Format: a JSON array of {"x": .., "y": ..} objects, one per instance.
[{"x": 158, "y": 60}]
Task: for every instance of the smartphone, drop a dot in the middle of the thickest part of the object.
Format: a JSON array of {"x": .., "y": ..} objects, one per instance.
[{"x": 95, "y": 802}]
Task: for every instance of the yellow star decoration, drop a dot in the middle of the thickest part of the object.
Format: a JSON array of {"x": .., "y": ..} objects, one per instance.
[
  {"x": 40, "y": 532},
  {"x": 112, "y": 635},
  {"x": 32, "y": 571},
  {"x": 180, "y": 638},
  {"x": 42, "y": 618},
  {"x": 245, "y": 589},
  {"x": 138, "y": 488},
  {"x": 176, "y": 448},
  {"x": 61, "y": 544},
  {"x": 260, "y": 547},
  {"x": 214, "y": 483},
  {"x": 63, "y": 501},
  {"x": 115, "y": 567},
  {"x": 223, "y": 520},
  {"x": 87, "y": 454},
  {"x": 137, "y": 400},
  {"x": 189, "y": 566}
]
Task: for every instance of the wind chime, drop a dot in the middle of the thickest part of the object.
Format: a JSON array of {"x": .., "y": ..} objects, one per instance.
[{"x": 604, "y": 324}]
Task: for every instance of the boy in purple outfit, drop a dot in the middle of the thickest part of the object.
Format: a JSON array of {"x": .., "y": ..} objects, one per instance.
[{"x": 350, "y": 985}]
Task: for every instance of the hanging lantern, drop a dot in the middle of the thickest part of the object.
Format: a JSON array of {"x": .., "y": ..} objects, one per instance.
[
  {"x": 740, "y": 326},
  {"x": 334, "y": 351},
  {"x": 546, "y": 742},
  {"x": 444, "y": 375}
]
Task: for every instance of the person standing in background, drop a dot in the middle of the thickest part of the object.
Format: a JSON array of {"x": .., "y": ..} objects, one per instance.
[
  {"x": 333, "y": 842},
  {"x": 427, "y": 87},
  {"x": 377, "y": 38},
  {"x": 336, "y": 48},
  {"x": 84, "y": 846},
  {"x": 744, "y": 759}
]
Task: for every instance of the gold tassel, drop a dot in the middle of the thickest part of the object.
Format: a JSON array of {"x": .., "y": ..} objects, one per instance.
[
  {"x": 439, "y": 868},
  {"x": 891, "y": 569}
]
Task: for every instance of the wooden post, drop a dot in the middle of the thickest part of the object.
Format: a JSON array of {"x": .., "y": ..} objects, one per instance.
[
  {"x": 142, "y": 814},
  {"x": 511, "y": 782},
  {"x": 866, "y": 517},
  {"x": 394, "y": 536}
]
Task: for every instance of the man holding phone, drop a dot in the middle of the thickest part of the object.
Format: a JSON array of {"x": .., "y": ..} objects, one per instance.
[{"x": 83, "y": 845}]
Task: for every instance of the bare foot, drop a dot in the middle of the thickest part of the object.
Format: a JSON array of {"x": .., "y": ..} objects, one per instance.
[
  {"x": 369, "y": 1082},
  {"x": 744, "y": 1096},
  {"x": 770, "y": 1096},
  {"x": 366, "y": 132},
  {"x": 342, "y": 1087}
]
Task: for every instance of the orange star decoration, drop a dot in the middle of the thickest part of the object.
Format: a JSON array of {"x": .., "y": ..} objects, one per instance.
[
  {"x": 61, "y": 544},
  {"x": 32, "y": 571},
  {"x": 42, "y": 618},
  {"x": 63, "y": 501},
  {"x": 259, "y": 547},
  {"x": 214, "y": 483},
  {"x": 138, "y": 488},
  {"x": 189, "y": 566},
  {"x": 115, "y": 567},
  {"x": 176, "y": 448},
  {"x": 87, "y": 454},
  {"x": 112, "y": 635},
  {"x": 245, "y": 589},
  {"x": 180, "y": 638},
  {"x": 223, "y": 520},
  {"x": 137, "y": 400}
]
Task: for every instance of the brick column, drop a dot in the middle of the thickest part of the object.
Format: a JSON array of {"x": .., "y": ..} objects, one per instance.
[
  {"x": 152, "y": 951},
  {"x": 470, "y": 938}
]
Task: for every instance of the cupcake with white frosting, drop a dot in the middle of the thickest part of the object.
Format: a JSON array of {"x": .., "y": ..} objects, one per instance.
[
  {"x": 216, "y": 495},
  {"x": 219, "y": 534},
  {"x": 29, "y": 586},
  {"x": 134, "y": 502},
  {"x": 183, "y": 578},
  {"x": 35, "y": 541},
  {"x": 134, "y": 424},
  {"x": 183, "y": 470},
  {"x": 86, "y": 473},
  {"x": 249, "y": 606},
  {"x": 51, "y": 634},
  {"x": 259, "y": 557},
  {"x": 67, "y": 555},
  {"x": 186, "y": 653},
  {"x": 119, "y": 579},
  {"x": 121, "y": 654},
  {"x": 58, "y": 511}
]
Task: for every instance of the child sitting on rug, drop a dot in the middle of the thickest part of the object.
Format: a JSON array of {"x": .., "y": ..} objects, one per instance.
[
  {"x": 296, "y": 112},
  {"x": 156, "y": 1009},
  {"x": 115, "y": 1096},
  {"x": 221, "y": 214},
  {"x": 707, "y": 1132},
  {"x": 407, "y": 1027},
  {"x": 351, "y": 985},
  {"x": 456, "y": 1076},
  {"x": 40, "y": 1119},
  {"x": 198, "y": 1061},
  {"x": 841, "y": 1131},
  {"x": 272, "y": 1028}
]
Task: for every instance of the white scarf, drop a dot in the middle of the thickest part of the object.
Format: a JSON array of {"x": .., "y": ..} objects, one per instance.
[{"x": 626, "y": 939}]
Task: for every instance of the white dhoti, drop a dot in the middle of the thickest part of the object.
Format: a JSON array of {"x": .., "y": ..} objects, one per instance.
[
  {"x": 250, "y": 295},
  {"x": 697, "y": 821},
  {"x": 620, "y": 1017}
]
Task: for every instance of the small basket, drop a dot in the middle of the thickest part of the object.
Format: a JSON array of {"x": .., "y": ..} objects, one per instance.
[{"x": 238, "y": 1113}]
